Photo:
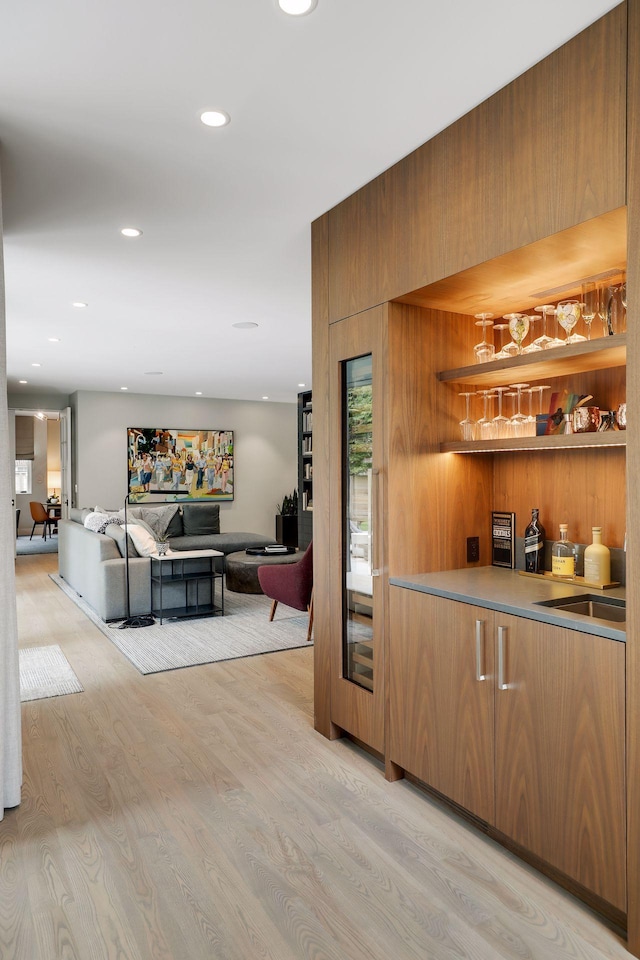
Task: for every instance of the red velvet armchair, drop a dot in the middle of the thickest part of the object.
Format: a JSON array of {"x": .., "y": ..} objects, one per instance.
[{"x": 291, "y": 584}]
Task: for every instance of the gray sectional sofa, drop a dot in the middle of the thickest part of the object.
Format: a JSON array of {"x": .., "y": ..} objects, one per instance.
[{"x": 93, "y": 563}]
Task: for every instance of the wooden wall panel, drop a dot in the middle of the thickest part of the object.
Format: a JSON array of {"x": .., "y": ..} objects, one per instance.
[
  {"x": 541, "y": 155},
  {"x": 633, "y": 473},
  {"x": 362, "y": 245},
  {"x": 321, "y": 476},
  {"x": 435, "y": 500}
]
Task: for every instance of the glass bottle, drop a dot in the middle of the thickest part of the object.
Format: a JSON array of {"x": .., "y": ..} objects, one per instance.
[
  {"x": 534, "y": 544},
  {"x": 597, "y": 559},
  {"x": 563, "y": 557}
]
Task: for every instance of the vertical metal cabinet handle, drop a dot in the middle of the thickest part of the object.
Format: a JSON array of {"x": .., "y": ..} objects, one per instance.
[
  {"x": 375, "y": 540},
  {"x": 480, "y": 674},
  {"x": 502, "y": 633}
]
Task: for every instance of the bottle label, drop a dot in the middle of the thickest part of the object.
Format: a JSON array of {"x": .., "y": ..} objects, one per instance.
[
  {"x": 563, "y": 566},
  {"x": 533, "y": 543}
]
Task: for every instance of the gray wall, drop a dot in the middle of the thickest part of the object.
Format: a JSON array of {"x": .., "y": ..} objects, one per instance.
[{"x": 265, "y": 438}]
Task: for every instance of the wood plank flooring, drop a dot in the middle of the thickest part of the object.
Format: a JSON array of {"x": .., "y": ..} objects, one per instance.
[{"x": 196, "y": 815}]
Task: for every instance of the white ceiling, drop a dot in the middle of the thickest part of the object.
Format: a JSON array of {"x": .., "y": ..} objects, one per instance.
[{"x": 100, "y": 129}]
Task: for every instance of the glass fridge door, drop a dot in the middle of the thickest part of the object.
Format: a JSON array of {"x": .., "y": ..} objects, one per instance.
[{"x": 357, "y": 473}]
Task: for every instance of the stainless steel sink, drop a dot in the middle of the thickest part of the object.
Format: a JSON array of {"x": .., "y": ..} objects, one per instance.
[{"x": 590, "y": 605}]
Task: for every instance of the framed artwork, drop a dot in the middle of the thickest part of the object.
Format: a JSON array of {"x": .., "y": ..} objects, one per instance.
[{"x": 172, "y": 464}]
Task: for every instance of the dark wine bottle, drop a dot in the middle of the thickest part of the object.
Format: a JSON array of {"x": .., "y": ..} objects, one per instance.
[{"x": 534, "y": 545}]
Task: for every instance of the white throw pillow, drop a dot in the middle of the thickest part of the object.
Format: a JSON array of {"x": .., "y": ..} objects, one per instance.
[
  {"x": 96, "y": 522},
  {"x": 143, "y": 541}
]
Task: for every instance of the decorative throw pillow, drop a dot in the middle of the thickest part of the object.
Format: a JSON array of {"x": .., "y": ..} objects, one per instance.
[
  {"x": 158, "y": 518},
  {"x": 96, "y": 521},
  {"x": 200, "y": 519},
  {"x": 144, "y": 541}
]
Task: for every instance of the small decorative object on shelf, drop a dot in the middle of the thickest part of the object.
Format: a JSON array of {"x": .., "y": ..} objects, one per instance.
[
  {"x": 597, "y": 559},
  {"x": 534, "y": 544},
  {"x": 563, "y": 556},
  {"x": 503, "y": 527}
]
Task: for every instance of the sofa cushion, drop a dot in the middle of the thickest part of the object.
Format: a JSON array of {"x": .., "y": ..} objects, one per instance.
[
  {"x": 117, "y": 532},
  {"x": 158, "y": 518},
  {"x": 144, "y": 541},
  {"x": 98, "y": 522},
  {"x": 224, "y": 542},
  {"x": 200, "y": 519},
  {"x": 176, "y": 527}
]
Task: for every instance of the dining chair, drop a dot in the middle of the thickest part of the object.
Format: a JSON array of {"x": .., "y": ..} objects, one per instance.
[{"x": 40, "y": 515}]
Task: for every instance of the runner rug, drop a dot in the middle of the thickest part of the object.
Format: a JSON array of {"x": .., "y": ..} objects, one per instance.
[
  {"x": 243, "y": 631},
  {"x": 46, "y": 672}
]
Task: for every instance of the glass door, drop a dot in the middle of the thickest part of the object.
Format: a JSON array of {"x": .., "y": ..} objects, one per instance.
[{"x": 357, "y": 473}]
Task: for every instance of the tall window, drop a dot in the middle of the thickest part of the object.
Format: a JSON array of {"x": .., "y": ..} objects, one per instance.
[{"x": 23, "y": 476}]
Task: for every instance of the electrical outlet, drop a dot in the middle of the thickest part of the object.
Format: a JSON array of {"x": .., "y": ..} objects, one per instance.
[{"x": 473, "y": 549}]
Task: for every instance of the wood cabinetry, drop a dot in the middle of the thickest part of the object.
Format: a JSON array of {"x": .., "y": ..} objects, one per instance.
[
  {"x": 520, "y": 723},
  {"x": 478, "y": 219},
  {"x": 441, "y": 696},
  {"x": 560, "y": 722}
]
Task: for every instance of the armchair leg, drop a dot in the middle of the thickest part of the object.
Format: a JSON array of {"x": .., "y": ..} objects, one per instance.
[
  {"x": 273, "y": 610},
  {"x": 310, "y": 627}
]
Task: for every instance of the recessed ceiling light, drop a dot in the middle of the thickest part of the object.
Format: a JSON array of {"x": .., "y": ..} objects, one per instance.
[
  {"x": 244, "y": 325},
  {"x": 79, "y": 304},
  {"x": 131, "y": 232},
  {"x": 215, "y": 118},
  {"x": 153, "y": 373},
  {"x": 54, "y": 339},
  {"x": 265, "y": 398},
  {"x": 302, "y": 384},
  {"x": 124, "y": 388},
  {"x": 198, "y": 393},
  {"x": 23, "y": 381},
  {"x": 297, "y": 8},
  {"x": 36, "y": 364}
]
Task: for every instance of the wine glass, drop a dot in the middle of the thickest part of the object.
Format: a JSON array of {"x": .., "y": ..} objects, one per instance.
[
  {"x": 568, "y": 316},
  {"x": 533, "y": 347},
  {"x": 605, "y": 296},
  {"x": 505, "y": 351},
  {"x": 485, "y": 426},
  {"x": 589, "y": 305},
  {"x": 530, "y": 421},
  {"x": 518, "y": 420},
  {"x": 623, "y": 300},
  {"x": 518, "y": 328},
  {"x": 500, "y": 422},
  {"x": 484, "y": 350},
  {"x": 539, "y": 389},
  {"x": 618, "y": 312},
  {"x": 468, "y": 425},
  {"x": 544, "y": 341}
]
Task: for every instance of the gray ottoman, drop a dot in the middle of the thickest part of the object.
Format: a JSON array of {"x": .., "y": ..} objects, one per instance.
[{"x": 242, "y": 569}]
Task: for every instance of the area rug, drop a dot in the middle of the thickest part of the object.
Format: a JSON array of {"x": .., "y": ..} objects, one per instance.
[
  {"x": 38, "y": 545},
  {"x": 243, "y": 631},
  {"x": 46, "y": 672}
]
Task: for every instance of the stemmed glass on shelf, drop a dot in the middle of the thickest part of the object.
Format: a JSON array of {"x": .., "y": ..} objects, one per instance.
[
  {"x": 534, "y": 346},
  {"x": 544, "y": 341},
  {"x": 484, "y": 350},
  {"x": 468, "y": 425},
  {"x": 508, "y": 349},
  {"x": 500, "y": 422},
  {"x": 589, "y": 304},
  {"x": 518, "y": 420},
  {"x": 485, "y": 426},
  {"x": 568, "y": 313},
  {"x": 518, "y": 328}
]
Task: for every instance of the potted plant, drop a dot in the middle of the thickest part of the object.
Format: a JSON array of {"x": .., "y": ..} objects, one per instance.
[
  {"x": 287, "y": 520},
  {"x": 162, "y": 544}
]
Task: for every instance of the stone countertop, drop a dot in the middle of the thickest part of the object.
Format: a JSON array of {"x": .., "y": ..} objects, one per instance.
[{"x": 507, "y": 592}]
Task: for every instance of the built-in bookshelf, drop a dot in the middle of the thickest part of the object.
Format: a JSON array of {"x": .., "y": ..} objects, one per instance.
[{"x": 305, "y": 469}]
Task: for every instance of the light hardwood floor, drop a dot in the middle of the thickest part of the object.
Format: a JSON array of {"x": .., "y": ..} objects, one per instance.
[{"x": 196, "y": 815}]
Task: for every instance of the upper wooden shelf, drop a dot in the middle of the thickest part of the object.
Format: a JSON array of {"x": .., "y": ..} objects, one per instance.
[
  {"x": 568, "y": 441},
  {"x": 600, "y": 354}
]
